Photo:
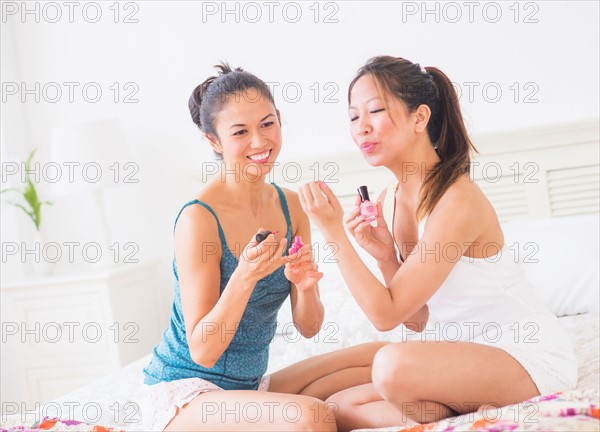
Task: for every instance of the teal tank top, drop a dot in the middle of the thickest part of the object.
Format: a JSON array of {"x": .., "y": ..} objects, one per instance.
[{"x": 245, "y": 360}]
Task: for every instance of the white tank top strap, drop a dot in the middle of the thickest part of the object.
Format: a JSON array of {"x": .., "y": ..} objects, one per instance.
[
  {"x": 421, "y": 228},
  {"x": 389, "y": 203}
]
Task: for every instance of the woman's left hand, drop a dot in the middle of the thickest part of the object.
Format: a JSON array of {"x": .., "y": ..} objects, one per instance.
[
  {"x": 322, "y": 206},
  {"x": 301, "y": 269}
]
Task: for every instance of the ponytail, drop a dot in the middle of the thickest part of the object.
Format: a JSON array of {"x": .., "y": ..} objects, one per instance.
[{"x": 451, "y": 141}]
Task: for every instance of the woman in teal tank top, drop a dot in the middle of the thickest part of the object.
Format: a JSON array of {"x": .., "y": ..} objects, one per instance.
[{"x": 229, "y": 289}]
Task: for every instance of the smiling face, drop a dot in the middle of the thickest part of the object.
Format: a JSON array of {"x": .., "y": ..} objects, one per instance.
[
  {"x": 249, "y": 134},
  {"x": 380, "y": 125}
]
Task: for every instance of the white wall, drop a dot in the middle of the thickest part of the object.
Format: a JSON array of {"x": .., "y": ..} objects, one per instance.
[{"x": 173, "y": 46}]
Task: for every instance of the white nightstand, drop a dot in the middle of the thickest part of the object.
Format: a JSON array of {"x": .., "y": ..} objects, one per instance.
[{"x": 65, "y": 331}]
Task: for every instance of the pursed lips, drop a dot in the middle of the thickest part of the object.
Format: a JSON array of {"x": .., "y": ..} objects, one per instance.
[{"x": 368, "y": 146}]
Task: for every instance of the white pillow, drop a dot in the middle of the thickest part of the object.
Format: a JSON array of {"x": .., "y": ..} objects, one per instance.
[{"x": 560, "y": 257}]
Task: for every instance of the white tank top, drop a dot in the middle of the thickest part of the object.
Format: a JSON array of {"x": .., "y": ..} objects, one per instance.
[
  {"x": 489, "y": 301},
  {"x": 492, "y": 289}
]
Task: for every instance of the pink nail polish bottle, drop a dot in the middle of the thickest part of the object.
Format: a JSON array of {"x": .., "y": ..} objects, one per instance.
[
  {"x": 297, "y": 244},
  {"x": 367, "y": 208}
]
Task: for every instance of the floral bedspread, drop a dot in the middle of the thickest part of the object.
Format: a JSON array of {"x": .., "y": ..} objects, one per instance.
[
  {"x": 52, "y": 424},
  {"x": 570, "y": 411},
  {"x": 576, "y": 410}
]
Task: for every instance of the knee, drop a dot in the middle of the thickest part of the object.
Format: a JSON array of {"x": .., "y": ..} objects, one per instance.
[
  {"x": 316, "y": 415},
  {"x": 339, "y": 400},
  {"x": 344, "y": 407},
  {"x": 374, "y": 347},
  {"x": 394, "y": 370}
]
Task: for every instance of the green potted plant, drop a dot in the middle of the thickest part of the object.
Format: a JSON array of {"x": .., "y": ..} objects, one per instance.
[{"x": 33, "y": 205}]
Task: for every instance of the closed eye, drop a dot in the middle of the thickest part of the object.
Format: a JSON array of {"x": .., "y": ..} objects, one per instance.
[{"x": 371, "y": 112}]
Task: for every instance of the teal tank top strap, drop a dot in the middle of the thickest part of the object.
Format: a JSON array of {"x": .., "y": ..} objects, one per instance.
[
  {"x": 207, "y": 207},
  {"x": 286, "y": 211}
]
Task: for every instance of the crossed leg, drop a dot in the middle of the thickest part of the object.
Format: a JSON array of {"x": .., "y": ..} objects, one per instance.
[
  {"x": 326, "y": 374},
  {"x": 421, "y": 382},
  {"x": 250, "y": 410},
  {"x": 294, "y": 401}
]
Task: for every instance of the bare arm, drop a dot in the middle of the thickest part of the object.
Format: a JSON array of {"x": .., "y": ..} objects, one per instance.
[
  {"x": 388, "y": 269},
  {"x": 307, "y": 309},
  {"x": 451, "y": 222}
]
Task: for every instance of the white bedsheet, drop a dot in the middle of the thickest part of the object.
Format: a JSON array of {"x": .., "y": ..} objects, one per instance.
[{"x": 109, "y": 401}]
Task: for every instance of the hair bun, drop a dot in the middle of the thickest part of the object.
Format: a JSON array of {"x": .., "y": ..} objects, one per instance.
[
  {"x": 199, "y": 93},
  {"x": 195, "y": 101},
  {"x": 225, "y": 69}
]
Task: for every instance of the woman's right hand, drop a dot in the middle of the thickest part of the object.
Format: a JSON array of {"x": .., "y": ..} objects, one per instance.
[
  {"x": 259, "y": 260},
  {"x": 376, "y": 240}
]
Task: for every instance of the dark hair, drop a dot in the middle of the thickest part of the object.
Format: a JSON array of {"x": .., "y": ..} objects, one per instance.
[
  {"x": 446, "y": 130},
  {"x": 208, "y": 98}
]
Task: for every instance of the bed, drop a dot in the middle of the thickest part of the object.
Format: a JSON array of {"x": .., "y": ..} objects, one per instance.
[{"x": 544, "y": 184}]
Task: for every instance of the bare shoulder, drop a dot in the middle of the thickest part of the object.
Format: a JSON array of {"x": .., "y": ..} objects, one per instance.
[
  {"x": 462, "y": 193},
  {"x": 290, "y": 196},
  {"x": 464, "y": 204},
  {"x": 293, "y": 201},
  {"x": 196, "y": 221}
]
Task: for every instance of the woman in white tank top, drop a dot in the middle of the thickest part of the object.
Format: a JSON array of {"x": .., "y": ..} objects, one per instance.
[{"x": 441, "y": 251}]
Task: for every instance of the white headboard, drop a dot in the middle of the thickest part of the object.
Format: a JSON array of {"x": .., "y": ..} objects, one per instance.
[{"x": 526, "y": 174}]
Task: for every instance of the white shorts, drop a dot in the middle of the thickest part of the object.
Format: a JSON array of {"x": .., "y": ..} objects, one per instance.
[
  {"x": 537, "y": 342},
  {"x": 159, "y": 402},
  {"x": 548, "y": 357}
]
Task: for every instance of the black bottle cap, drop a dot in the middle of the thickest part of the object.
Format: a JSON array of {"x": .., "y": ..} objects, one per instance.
[
  {"x": 261, "y": 236},
  {"x": 363, "y": 191}
]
